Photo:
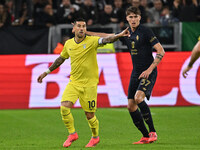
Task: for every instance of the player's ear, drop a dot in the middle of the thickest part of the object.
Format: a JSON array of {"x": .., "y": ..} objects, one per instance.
[
  {"x": 127, "y": 18},
  {"x": 139, "y": 17},
  {"x": 73, "y": 29}
]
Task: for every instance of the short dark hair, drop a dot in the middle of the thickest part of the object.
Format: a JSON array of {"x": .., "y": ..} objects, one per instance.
[
  {"x": 79, "y": 19},
  {"x": 133, "y": 10}
]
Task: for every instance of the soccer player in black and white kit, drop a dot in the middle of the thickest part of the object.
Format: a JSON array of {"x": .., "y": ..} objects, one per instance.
[{"x": 140, "y": 44}]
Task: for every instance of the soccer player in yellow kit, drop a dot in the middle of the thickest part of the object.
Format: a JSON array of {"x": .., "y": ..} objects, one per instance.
[{"x": 82, "y": 50}]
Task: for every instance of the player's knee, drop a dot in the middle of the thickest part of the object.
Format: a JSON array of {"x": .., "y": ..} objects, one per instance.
[
  {"x": 67, "y": 104},
  {"x": 89, "y": 115},
  {"x": 138, "y": 99},
  {"x": 132, "y": 108}
]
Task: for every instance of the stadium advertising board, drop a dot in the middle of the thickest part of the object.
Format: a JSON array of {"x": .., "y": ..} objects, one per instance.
[{"x": 19, "y": 88}]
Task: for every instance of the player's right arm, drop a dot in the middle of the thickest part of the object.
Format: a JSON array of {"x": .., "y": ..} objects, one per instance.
[
  {"x": 63, "y": 56},
  {"x": 55, "y": 65},
  {"x": 194, "y": 56}
]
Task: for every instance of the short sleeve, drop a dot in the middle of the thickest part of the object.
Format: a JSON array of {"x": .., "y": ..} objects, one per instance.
[
  {"x": 151, "y": 37},
  {"x": 96, "y": 41},
  {"x": 64, "y": 53}
]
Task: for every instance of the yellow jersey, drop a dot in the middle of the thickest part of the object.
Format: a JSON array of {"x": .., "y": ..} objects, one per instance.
[{"x": 83, "y": 55}]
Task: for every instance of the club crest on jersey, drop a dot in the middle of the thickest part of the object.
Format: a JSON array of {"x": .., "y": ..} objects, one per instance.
[{"x": 84, "y": 46}]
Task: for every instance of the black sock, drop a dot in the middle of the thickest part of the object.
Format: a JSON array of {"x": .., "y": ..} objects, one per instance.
[
  {"x": 146, "y": 114},
  {"x": 139, "y": 123}
]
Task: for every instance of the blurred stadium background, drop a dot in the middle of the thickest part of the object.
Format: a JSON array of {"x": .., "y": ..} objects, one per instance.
[{"x": 27, "y": 120}]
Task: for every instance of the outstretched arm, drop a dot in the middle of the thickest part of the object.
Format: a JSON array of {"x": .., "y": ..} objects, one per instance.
[
  {"x": 113, "y": 38},
  {"x": 160, "y": 53},
  {"x": 55, "y": 65},
  {"x": 194, "y": 56}
]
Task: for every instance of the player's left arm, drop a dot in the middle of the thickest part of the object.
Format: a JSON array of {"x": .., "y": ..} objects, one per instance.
[
  {"x": 114, "y": 37},
  {"x": 160, "y": 53}
]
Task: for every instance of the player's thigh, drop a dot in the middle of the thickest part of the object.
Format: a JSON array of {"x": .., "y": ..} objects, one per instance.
[
  {"x": 88, "y": 99},
  {"x": 139, "y": 96},
  {"x": 133, "y": 86},
  {"x": 146, "y": 85},
  {"x": 71, "y": 93}
]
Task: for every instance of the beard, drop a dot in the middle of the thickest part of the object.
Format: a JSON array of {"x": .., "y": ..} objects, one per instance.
[{"x": 80, "y": 36}]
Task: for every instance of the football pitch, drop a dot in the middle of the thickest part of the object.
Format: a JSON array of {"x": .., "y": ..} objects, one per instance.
[{"x": 42, "y": 129}]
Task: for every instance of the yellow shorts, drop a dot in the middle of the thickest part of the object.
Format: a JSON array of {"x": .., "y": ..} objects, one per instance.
[{"x": 87, "y": 96}]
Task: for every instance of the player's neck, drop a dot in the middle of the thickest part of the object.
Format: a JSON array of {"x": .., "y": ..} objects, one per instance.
[
  {"x": 133, "y": 28},
  {"x": 79, "y": 40}
]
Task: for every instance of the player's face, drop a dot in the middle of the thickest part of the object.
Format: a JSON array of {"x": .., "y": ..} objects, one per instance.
[
  {"x": 80, "y": 29},
  {"x": 133, "y": 20}
]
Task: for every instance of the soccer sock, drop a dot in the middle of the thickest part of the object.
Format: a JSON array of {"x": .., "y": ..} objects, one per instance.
[
  {"x": 139, "y": 123},
  {"x": 146, "y": 114},
  {"x": 67, "y": 119},
  {"x": 94, "y": 125}
]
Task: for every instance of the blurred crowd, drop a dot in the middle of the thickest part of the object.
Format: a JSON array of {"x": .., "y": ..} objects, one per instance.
[{"x": 51, "y": 12}]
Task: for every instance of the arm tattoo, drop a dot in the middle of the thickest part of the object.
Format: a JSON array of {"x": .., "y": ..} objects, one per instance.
[
  {"x": 110, "y": 39},
  {"x": 155, "y": 62},
  {"x": 56, "y": 63},
  {"x": 190, "y": 64},
  {"x": 159, "y": 56}
]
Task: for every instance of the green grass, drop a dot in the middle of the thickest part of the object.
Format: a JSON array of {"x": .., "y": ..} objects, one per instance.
[{"x": 42, "y": 129}]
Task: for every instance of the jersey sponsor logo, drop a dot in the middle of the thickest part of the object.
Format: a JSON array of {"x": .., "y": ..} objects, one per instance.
[{"x": 134, "y": 52}]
